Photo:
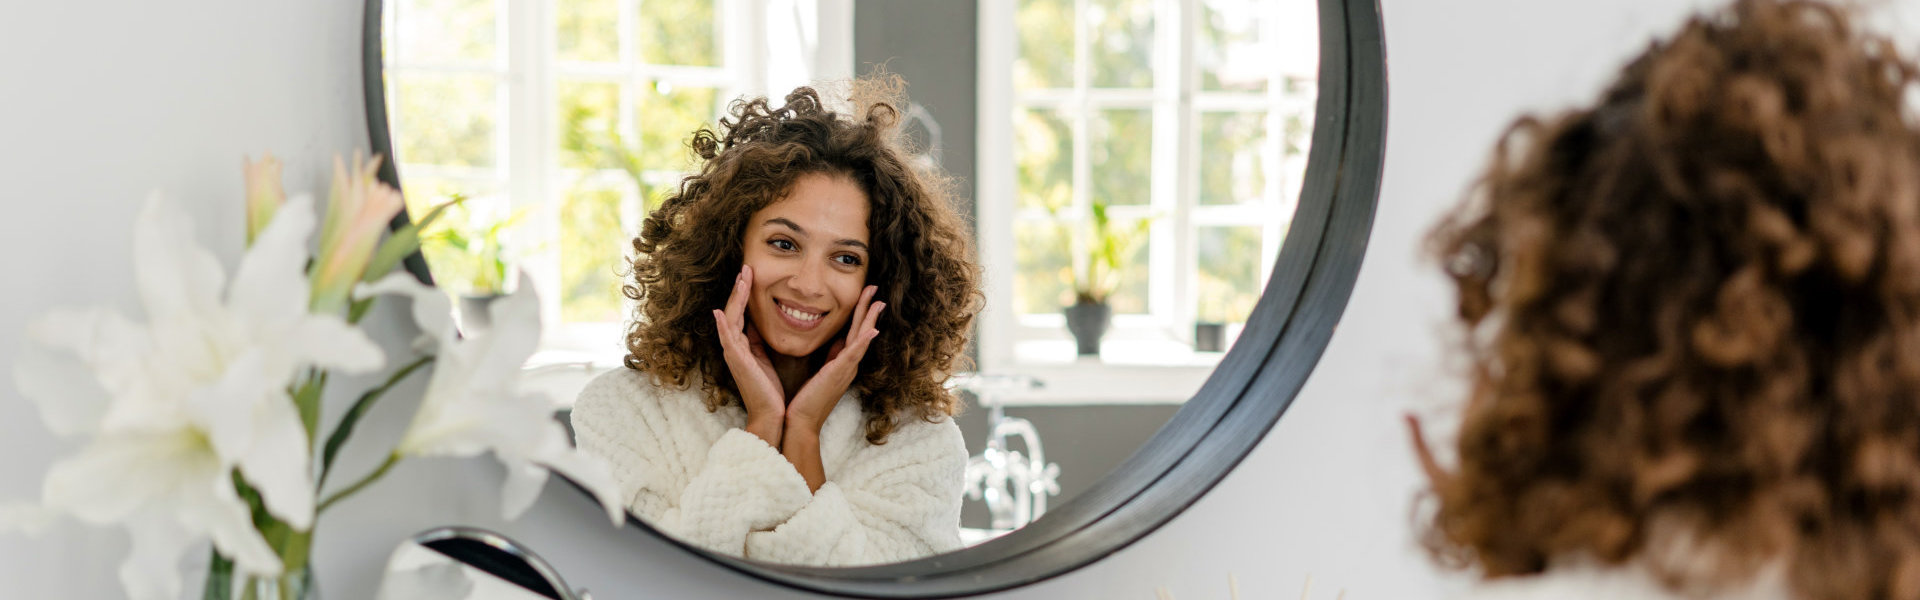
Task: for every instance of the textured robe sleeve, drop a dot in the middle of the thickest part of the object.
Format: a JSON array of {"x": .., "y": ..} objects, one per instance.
[
  {"x": 698, "y": 477},
  {"x": 891, "y": 502},
  {"x": 681, "y": 470}
]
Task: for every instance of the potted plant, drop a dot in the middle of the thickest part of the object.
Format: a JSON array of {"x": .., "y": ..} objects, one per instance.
[{"x": 1096, "y": 273}]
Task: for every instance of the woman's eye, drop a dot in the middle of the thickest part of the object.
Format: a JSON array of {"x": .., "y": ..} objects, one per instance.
[
  {"x": 783, "y": 244},
  {"x": 848, "y": 259}
]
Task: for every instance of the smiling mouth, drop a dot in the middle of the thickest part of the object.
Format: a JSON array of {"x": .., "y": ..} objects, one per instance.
[{"x": 797, "y": 314}]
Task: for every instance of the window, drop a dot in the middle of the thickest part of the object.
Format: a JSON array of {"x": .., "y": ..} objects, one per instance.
[
  {"x": 1185, "y": 121},
  {"x": 564, "y": 121}
]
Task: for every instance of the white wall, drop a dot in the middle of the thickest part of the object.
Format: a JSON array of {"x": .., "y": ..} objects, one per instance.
[{"x": 102, "y": 103}]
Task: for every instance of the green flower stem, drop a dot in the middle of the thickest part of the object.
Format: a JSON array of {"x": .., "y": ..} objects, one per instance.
[
  {"x": 219, "y": 584},
  {"x": 344, "y": 429},
  {"x": 364, "y": 482}
]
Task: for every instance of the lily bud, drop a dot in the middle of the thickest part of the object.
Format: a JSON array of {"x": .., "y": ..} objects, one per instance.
[
  {"x": 264, "y": 194},
  {"x": 358, "y": 210}
]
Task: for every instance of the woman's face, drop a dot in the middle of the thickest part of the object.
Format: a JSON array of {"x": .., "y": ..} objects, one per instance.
[{"x": 809, "y": 256}]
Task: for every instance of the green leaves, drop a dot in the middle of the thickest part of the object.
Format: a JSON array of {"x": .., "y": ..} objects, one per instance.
[
  {"x": 1106, "y": 249},
  {"x": 468, "y": 247}
]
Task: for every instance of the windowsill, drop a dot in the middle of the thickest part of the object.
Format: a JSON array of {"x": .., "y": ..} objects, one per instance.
[
  {"x": 1127, "y": 372},
  {"x": 561, "y": 374}
]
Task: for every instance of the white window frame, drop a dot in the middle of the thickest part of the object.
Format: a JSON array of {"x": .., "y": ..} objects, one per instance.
[
  {"x": 1036, "y": 343},
  {"x": 527, "y": 72}
]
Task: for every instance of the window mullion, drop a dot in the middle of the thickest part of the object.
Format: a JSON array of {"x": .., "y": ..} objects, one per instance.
[
  {"x": 1173, "y": 256},
  {"x": 743, "y": 39},
  {"x": 1280, "y": 179},
  {"x": 527, "y": 56},
  {"x": 995, "y": 194},
  {"x": 1081, "y": 121},
  {"x": 629, "y": 20}
]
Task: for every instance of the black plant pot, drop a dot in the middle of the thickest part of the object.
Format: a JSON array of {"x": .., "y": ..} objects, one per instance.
[{"x": 1088, "y": 322}]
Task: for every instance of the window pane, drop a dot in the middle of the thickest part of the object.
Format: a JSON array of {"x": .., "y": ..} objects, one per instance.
[
  {"x": 667, "y": 115},
  {"x": 469, "y": 247},
  {"x": 1232, "y": 54},
  {"x": 654, "y": 192},
  {"x": 1045, "y": 58},
  {"x": 592, "y": 253},
  {"x": 588, "y": 30},
  {"x": 444, "y": 30},
  {"x": 589, "y": 113},
  {"x": 1121, "y": 51},
  {"x": 444, "y": 119},
  {"x": 1043, "y": 153},
  {"x": 1120, "y": 148},
  {"x": 678, "y": 32},
  {"x": 1298, "y": 128},
  {"x": 1296, "y": 40},
  {"x": 1043, "y": 282},
  {"x": 1130, "y": 287},
  {"x": 1233, "y": 157},
  {"x": 423, "y": 192},
  {"x": 1229, "y": 273}
]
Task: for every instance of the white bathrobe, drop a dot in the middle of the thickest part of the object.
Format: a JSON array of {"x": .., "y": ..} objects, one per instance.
[{"x": 700, "y": 477}]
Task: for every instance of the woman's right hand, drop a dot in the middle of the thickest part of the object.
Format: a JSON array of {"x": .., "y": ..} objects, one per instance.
[{"x": 746, "y": 356}]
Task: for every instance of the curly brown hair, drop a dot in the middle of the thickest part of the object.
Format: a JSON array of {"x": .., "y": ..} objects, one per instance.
[
  {"x": 689, "y": 250},
  {"x": 1692, "y": 314}
]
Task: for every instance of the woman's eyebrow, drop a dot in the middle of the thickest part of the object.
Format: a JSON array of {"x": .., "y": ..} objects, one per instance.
[
  {"x": 802, "y": 231},
  {"x": 783, "y": 221}
]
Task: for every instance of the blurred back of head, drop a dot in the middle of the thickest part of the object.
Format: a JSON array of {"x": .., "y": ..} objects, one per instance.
[{"x": 1692, "y": 311}]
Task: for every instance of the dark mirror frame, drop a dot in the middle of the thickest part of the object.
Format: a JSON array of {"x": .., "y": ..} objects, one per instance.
[
  {"x": 498, "y": 556},
  {"x": 1254, "y": 384}
]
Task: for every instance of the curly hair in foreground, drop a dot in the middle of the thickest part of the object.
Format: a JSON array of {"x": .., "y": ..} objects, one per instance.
[
  {"x": 689, "y": 250},
  {"x": 1693, "y": 319}
]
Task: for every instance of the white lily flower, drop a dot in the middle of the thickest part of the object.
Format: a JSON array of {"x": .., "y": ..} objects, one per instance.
[
  {"x": 474, "y": 404},
  {"x": 175, "y": 405},
  {"x": 443, "y": 580}
]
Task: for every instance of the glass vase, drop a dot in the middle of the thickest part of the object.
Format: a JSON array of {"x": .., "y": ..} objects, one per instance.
[
  {"x": 293, "y": 584},
  {"x": 296, "y": 584}
]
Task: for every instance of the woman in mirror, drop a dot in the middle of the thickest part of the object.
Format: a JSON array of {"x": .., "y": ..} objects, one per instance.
[
  {"x": 801, "y": 301},
  {"x": 1692, "y": 318}
]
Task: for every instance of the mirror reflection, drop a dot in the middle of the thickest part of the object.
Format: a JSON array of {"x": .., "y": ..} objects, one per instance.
[{"x": 1079, "y": 225}]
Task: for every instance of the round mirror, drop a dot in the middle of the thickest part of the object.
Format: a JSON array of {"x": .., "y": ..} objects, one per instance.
[{"x": 1169, "y": 201}]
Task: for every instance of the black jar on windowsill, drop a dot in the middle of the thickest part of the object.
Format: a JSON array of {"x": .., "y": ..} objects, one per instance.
[{"x": 1209, "y": 337}]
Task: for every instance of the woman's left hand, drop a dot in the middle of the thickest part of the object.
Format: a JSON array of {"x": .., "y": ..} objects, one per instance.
[{"x": 816, "y": 399}]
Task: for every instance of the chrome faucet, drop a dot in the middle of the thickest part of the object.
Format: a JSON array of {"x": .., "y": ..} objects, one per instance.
[{"x": 1015, "y": 486}]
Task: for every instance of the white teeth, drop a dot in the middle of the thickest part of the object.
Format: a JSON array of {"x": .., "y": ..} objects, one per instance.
[{"x": 800, "y": 315}]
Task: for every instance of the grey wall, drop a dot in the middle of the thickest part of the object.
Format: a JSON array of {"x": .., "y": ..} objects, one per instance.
[{"x": 930, "y": 44}]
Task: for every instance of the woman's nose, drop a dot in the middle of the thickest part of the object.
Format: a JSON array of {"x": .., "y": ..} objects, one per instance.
[{"x": 807, "y": 279}]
